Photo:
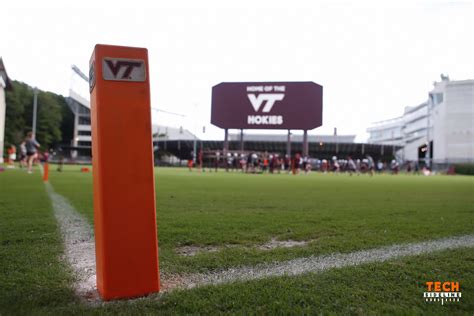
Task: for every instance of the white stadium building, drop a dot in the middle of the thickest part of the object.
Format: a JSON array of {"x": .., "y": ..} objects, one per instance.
[{"x": 446, "y": 119}]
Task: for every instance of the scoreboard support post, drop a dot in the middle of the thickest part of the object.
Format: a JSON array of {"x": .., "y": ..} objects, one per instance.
[
  {"x": 226, "y": 142},
  {"x": 242, "y": 141},
  {"x": 305, "y": 143},
  {"x": 288, "y": 144}
]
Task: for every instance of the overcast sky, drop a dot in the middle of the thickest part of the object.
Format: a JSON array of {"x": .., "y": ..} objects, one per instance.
[{"x": 372, "y": 58}]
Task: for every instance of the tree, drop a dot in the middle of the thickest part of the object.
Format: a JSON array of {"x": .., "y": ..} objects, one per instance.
[
  {"x": 52, "y": 112},
  {"x": 16, "y": 100}
]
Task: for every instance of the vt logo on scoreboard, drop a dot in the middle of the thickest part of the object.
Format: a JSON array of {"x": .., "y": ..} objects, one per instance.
[
  {"x": 119, "y": 69},
  {"x": 270, "y": 99},
  {"x": 267, "y": 99}
]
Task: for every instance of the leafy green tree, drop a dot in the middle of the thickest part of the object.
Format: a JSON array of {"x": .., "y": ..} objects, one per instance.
[
  {"x": 15, "y": 123},
  {"x": 48, "y": 124},
  {"x": 54, "y": 119}
]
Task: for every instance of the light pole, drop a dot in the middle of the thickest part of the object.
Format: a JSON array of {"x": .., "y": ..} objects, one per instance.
[{"x": 35, "y": 109}]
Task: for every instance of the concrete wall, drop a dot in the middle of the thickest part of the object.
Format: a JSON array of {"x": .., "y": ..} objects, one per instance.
[
  {"x": 453, "y": 123},
  {"x": 410, "y": 150}
]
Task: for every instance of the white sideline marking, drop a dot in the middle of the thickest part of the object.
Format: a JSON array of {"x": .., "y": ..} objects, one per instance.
[
  {"x": 80, "y": 253},
  {"x": 321, "y": 263},
  {"x": 79, "y": 244}
]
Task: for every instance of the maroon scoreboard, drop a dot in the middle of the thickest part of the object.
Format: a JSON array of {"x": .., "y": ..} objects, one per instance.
[{"x": 267, "y": 105}]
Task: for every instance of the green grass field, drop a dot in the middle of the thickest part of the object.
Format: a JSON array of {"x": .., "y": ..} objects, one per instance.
[{"x": 238, "y": 212}]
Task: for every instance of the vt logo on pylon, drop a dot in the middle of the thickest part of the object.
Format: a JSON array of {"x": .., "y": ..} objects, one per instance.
[{"x": 119, "y": 69}]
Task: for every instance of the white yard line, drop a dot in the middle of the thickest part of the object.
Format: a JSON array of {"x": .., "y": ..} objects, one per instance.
[
  {"x": 317, "y": 264},
  {"x": 78, "y": 237},
  {"x": 80, "y": 253}
]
